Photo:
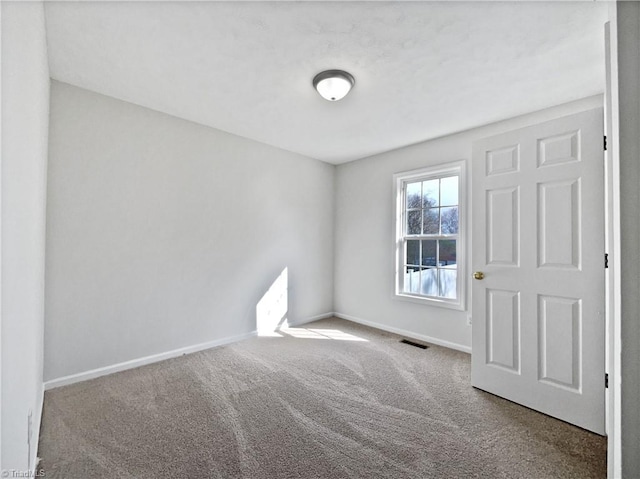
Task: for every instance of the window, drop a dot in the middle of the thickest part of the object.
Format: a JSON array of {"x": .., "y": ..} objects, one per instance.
[{"x": 429, "y": 239}]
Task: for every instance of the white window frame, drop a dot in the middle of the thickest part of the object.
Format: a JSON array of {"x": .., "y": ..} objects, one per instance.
[{"x": 400, "y": 180}]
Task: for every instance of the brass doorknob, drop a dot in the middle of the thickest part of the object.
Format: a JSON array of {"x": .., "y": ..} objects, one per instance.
[{"x": 478, "y": 275}]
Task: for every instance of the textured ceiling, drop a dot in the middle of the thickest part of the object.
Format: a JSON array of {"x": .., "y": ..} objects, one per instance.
[{"x": 422, "y": 70}]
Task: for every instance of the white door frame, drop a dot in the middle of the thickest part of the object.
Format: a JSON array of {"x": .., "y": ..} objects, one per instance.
[
  {"x": 612, "y": 246},
  {"x": 624, "y": 425},
  {"x": 0, "y": 236}
]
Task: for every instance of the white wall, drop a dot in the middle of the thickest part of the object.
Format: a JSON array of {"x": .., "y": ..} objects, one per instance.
[
  {"x": 364, "y": 242},
  {"x": 25, "y": 115},
  {"x": 164, "y": 234}
]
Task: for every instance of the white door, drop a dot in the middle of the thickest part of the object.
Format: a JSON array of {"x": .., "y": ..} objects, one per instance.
[{"x": 538, "y": 239}]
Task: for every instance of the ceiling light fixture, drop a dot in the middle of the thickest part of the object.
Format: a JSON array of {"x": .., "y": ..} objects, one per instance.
[{"x": 333, "y": 85}]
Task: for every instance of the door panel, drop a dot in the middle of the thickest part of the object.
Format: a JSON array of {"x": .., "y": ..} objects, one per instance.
[
  {"x": 502, "y": 226},
  {"x": 559, "y": 214},
  {"x": 559, "y": 324},
  {"x": 503, "y": 329},
  {"x": 538, "y": 237},
  {"x": 505, "y": 160}
]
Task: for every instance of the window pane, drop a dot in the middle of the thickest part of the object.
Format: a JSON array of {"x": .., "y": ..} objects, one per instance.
[
  {"x": 412, "y": 280},
  {"x": 431, "y": 221},
  {"x": 448, "y": 255},
  {"x": 447, "y": 283},
  {"x": 430, "y": 190},
  {"x": 413, "y": 252},
  {"x": 449, "y": 191},
  {"x": 429, "y": 249},
  {"x": 429, "y": 282},
  {"x": 449, "y": 218},
  {"x": 413, "y": 195},
  {"x": 430, "y": 209},
  {"x": 413, "y": 222}
]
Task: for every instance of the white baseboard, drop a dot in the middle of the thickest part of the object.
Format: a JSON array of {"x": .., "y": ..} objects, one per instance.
[
  {"x": 134, "y": 363},
  {"x": 408, "y": 334},
  {"x": 301, "y": 321}
]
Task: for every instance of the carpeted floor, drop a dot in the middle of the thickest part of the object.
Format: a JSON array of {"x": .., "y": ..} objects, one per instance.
[{"x": 332, "y": 399}]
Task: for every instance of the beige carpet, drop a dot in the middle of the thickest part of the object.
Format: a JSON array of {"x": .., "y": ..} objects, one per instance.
[{"x": 331, "y": 399}]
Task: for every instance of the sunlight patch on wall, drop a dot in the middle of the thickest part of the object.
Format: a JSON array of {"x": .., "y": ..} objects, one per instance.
[{"x": 271, "y": 310}]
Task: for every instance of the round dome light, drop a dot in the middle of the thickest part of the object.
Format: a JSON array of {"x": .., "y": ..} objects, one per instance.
[{"x": 333, "y": 85}]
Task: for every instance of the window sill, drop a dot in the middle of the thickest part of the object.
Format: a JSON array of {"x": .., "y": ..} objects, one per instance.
[{"x": 427, "y": 301}]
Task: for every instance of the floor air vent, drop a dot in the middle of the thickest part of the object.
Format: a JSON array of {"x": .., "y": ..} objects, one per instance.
[{"x": 411, "y": 343}]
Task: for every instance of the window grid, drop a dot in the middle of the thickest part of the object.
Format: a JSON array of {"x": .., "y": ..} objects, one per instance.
[{"x": 430, "y": 276}]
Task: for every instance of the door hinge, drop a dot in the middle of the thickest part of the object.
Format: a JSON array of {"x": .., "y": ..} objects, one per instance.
[
  {"x": 606, "y": 260},
  {"x": 605, "y": 142},
  {"x": 606, "y": 380}
]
